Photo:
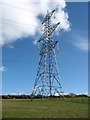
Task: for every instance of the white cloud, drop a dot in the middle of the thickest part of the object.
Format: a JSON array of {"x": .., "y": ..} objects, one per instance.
[
  {"x": 20, "y": 17},
  {"x": 2, "y": 69},
  {"x": 18, "y": 93},
  {"x": 35, "y": 42},
  {"x": 21, "y": 93},
  {"x": 56, "y": 94},
  {"x": 13, "y": 94},
  {"x": 83, "y": 93},
  {"x": 81, "y": 43}
]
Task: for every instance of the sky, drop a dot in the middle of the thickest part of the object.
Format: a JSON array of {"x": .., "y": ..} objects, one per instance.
[{"x": 20, "y": 56}]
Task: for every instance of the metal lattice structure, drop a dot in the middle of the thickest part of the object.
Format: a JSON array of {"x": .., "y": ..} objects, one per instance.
[{"x": 47, "y": 81}]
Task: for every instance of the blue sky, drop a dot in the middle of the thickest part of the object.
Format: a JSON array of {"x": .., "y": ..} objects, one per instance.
[{"x": 21, "y": 62}]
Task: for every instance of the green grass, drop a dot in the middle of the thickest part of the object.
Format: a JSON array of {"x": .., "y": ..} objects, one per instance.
[{"x": 56, "y": 108}]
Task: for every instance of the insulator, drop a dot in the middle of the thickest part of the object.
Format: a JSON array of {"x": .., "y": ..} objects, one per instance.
[
  {"x": 58, "y": 47},
  {"x": 54, "y": 15},
  {"x": 42, "y": 28},
  {"x": 59, "y": 29}
]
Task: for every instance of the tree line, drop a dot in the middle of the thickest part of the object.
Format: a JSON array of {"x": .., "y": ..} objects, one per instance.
[{"x": 39, "y": 96}]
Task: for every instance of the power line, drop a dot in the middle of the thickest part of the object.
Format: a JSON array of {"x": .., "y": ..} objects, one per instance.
[
  {"x": 12, "y": 21},
  {"x": 72, "y": 58},
  {"x": 29, "y": 62},
  {"x": 66, "y": 57},
  {"x": 15, "y": 61},
  {"x": 17, "y": 24},
  {"x": 19, "y": 47},
  {"x": 6, "y": 4}
]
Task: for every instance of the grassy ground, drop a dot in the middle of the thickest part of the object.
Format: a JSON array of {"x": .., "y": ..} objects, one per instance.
[{"x": 56, "y": 108}]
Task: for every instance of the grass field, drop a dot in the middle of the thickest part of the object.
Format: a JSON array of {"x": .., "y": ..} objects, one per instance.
[{"x": 56, "y": 108}]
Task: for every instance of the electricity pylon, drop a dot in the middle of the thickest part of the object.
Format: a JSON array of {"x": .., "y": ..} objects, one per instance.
[{"x": 47, "y": 81}]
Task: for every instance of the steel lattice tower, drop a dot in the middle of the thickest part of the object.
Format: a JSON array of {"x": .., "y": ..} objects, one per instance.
[{"x": 47, "y": 81}]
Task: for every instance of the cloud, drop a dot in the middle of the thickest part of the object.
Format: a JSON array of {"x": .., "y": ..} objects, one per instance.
[
  {"x": 81, "y": 43},
  {"x": 56, "y": 94},
  {"x": 2, "y": 69},
  {"x": 35, "y": 42},
  {"x": 20, "y": 18},
  {"x": 13, "y": 94},
  {"x": 17, "y": 93},
  {"x": 21, "y": 93}
]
